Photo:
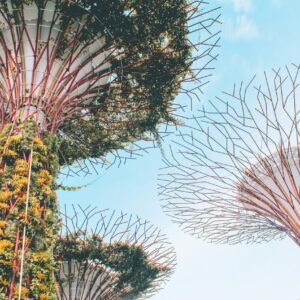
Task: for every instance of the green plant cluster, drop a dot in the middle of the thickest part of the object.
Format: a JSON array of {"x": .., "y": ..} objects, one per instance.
[
  {"x": 42, "y": 220},
  {"x": 154, "y": 56},
  {"x": 154, "y": 59},
  {"x": 134, "y": 271}
]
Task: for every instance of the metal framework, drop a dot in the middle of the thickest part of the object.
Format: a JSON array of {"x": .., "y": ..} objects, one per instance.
[
  {"x": 235, "y": 176},
  {"x": 88, "y": 278},
  {"x": 49, "y": 72},
  {"x": 83, "y": 81},
  {"x": 204, "y": 28},
  {"x": 36, "y": 77}
]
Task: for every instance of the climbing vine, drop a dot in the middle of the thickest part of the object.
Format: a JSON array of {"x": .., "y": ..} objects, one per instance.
[
  {"x": 120, "y": 64},
  {"x": 42, "y": 219}
]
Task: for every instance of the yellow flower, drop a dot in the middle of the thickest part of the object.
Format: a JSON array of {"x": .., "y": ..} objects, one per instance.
[
  {"x": 24, "y": 292},
  {"x": 19, "y": 184},
  {"x": 4, "y": 206},
  {"x": 41, "y": 276},
  {"x": 22, "y": 182},
  {"x": 2, "y": 226},
  {"x": 21, "y": 167},
  {"x": 4, "y": 196},
  {"x": 37, "y": 141},
  {"x": 41, "y": 256},
  {"x": 34, "y": 211},
  {"x": 44, "y": 297},
  {"x": 10, "y": 154},
  {"x": 42, "y": 288},
  {"x": 44, "y": 178},
  {"x": 47, "y": 191},
  {"x": 14, "y": 139},
  {"x": 39, "y": 146},
  {"x": 5, "y": 245}
]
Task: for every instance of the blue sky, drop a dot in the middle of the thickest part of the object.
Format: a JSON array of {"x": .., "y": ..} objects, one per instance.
[{"x": 257, "y": 35}]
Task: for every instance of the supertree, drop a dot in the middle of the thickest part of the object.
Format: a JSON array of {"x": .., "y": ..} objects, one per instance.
[
  {"x": 235, "y": 176},
  {"x": 108, "y": 255},
  {"x": 79, "y": 80}
]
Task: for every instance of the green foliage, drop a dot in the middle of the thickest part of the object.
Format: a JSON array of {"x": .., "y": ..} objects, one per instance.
[
  {"x": 154, "y": 59},
  {"x": 135, "y": 271},
  {"x": 42, "y": 220},
  {"x": 131, "y": 261},
  {"x": 151, "y": 57}
]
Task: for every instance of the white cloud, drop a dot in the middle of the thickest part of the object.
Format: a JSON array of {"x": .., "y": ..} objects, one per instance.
[
  {"x": 245, "y": 28},
  {"x": 242, "y": 5},
  {"x": 277, "y": 3},
  {"x": 242, "y": 27}
]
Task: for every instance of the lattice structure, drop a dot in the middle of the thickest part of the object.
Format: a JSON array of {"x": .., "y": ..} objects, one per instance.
[
  {"x": 108, "y": 255},
  {"x": 102, "y": 75},
  {"x": 235, "y": 176},
  {"x": 81, "y": 81}
]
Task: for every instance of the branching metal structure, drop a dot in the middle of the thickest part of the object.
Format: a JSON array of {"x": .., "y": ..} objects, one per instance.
[
  {"x": 202, "y": 35},
  {"x": 80, "y": 81},
  {"x": 108, "y": 255},
  {"x": 235, "y": 176},
  {"x": 99, "y": 75}
]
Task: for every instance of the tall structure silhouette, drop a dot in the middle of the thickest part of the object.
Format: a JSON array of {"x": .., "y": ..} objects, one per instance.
[
  {"x": 234, "y": 176},
  {"x": 110, "y": 255},
  {"x": 80, "y": 80}
]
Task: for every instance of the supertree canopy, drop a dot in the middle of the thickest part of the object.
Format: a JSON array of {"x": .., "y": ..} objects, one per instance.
[
  {"x": 80, "y": 80},
  {"x": 106, "y": 255},
  {"x": 98, "y": 74},
  {"x": 235, "y": 176}
]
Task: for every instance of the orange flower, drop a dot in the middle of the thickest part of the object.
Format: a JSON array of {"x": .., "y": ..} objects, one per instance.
[
  {"x": 24, "y": 292},
  {"x": 4, "y": 196},
  {"x": 44, "y": 297},
  {"x": 4, "y": 206},
  {"x": 44, "y": 178},
  {"x": 5, "y": 245},
  {"x": 41, "y": 276}
]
